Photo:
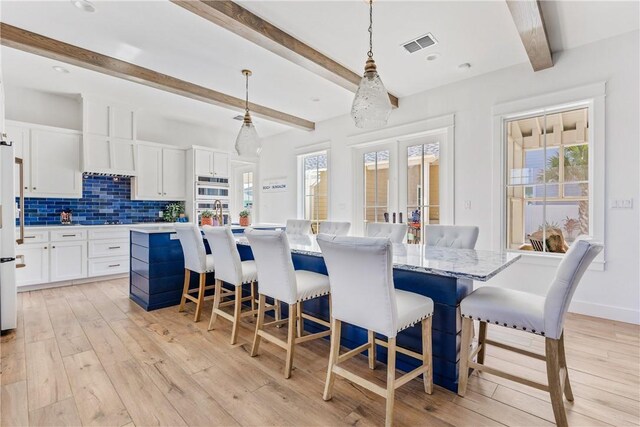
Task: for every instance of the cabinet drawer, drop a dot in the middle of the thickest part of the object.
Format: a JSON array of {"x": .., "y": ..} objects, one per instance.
[
  {"x": 115, "y": 233},
  {"x": 110, "y": 248},
  {"x": 68, "y": 235},
  {"x": 35, "y": 236},
  {"x": 106, "y": 266}
]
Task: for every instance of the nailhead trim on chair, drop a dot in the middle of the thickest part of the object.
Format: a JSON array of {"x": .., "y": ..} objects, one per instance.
[
  {"x": 506, "y": 325},
  {"x": 418, "y": 320},
  {"x": 315, "y": 296}
]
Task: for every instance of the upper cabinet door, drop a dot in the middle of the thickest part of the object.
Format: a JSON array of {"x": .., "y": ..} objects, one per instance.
[
  {"x": 55, "y": 164},
  {"x": 122, "y": 120},
  {"x": 97, "y": 117},
  {"x": 123, "y": 156},
  {"x": 221, "y": 165},
  {"x": 148, "y": 182},
  {"x": 203, "y": 162},
  {"x": 20, "y": 137},
  {"x": 174, "y": 174}
]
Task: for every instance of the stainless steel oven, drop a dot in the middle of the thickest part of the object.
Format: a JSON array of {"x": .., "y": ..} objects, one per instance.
[{"x": 210, "y": 188}]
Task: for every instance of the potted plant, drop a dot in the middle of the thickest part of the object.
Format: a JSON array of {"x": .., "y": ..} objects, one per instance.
[
  {"x": 244, "y": 218},
  {"x": 206, "y": 217},
  {"x": 172, "y": 212}
]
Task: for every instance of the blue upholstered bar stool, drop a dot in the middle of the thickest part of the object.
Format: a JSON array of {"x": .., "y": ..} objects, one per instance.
[
  {"x": 196, "y": 260},
  {"x": 363, "y": 294},
  {"x": 230, "y": 269},
  {"x": 279, "y": 280},
  {"x": 451, "y": 236},
  {"x": 541, "y": 315},
  {"x": 337, "y": 228},
  {"x": 395, "y": 232},
  {"x": 298, "y": 227}
]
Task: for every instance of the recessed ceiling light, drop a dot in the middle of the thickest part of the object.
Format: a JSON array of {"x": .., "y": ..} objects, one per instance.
[
  {"x": 84, "y": 5},
  {"x": 464, "y": 67},
  {"x": 433, "y": 56},
  {"x": 60, "y": 69}
]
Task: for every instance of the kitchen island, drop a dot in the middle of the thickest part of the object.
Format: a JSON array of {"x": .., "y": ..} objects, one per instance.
[{"x": 445, "y": 275}]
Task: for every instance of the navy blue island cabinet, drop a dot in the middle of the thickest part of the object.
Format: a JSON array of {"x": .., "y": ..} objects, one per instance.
[{"x": 443, "y": 274}]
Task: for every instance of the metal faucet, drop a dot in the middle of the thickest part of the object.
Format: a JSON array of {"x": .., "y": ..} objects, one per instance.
[{"x": 217, "y": 206}]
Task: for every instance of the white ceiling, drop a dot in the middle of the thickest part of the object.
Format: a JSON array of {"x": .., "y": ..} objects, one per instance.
[{"x": 166, "y": 38}]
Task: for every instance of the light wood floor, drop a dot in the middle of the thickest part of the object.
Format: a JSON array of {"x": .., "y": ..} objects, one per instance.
[{"x": 87, "y": 355}]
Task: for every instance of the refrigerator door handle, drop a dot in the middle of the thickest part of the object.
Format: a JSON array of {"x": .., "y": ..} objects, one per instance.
[
  {"x": 18, "y": 161},
  {"x": 20, "y": 264},
  {"x": 6, "y": 259}
]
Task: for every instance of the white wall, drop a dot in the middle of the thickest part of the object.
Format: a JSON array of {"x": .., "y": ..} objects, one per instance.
[{"x": 613, "y": 293}]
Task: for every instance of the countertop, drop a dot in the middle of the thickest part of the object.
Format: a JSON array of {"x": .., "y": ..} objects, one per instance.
[
  {"x": 168, "y": 228},
  {"x": 70, "y": 226}
]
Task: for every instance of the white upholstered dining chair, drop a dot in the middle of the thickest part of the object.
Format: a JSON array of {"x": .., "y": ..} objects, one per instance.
[
  {"x": 298, "y": 227},
  {"x": 363, "y": 294},
  {"x": 338, "y": 228},
  {"x": 541, "y": 315},
  {"x": 196, "y": 260},
  {"x": 279, "y": 280},
  {"x": 451, "y": 236},
  {"x": 395, "y": 232},
  {"x": 230, "y": 269}
]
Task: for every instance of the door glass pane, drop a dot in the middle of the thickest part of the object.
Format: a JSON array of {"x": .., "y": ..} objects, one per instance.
[
  {"x": 376, "y": 185},
  {"x": 423, "y": 188}
]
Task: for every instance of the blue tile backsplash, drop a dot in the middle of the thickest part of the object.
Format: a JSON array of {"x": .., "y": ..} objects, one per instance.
[{"x": 103, "y": 199}]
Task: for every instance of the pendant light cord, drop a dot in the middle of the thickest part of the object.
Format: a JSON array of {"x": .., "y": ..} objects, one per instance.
[
  {"x": 246, "y": 100},
  {"x": 370, "y": 53}
]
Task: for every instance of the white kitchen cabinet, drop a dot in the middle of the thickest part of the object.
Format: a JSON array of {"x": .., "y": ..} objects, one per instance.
[
  {"x": 109, "y": 132},
  {"x": 19, "y": 135},
  {"x": 55, "y": 164},
  {"x": 161, "y": 173},
  {"x": 36, "y": 259},
  {"x": 174, "y": 180},
  {"x": 211, "y": 163},
  {"x": 68, "y": 260}
]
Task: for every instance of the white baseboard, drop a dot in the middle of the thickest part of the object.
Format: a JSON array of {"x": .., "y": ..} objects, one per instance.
[
  {"x": 39, "y": 286},
  {"x": 626, "y": 315}
]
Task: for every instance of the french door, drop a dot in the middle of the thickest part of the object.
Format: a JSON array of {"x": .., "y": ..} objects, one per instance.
[{"x": 404, "y": 181}]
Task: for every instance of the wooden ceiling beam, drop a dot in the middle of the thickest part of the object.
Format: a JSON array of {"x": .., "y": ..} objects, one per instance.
[
  {"x": 249, "y": 26},
  {"x": 527, "y": 15},
  {"x": 28, "y": 41}
]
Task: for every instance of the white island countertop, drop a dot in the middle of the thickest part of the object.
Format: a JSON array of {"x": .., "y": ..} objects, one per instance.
[{"x": 168, "y": 227}]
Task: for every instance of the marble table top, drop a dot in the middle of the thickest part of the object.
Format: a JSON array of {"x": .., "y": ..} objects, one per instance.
[{"x": 459, "y": 263}]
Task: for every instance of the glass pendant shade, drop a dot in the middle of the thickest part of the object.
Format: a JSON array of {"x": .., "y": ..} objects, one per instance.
[
  {"x": 371, "y": 106},
  {"x": 248, "y": 142}
]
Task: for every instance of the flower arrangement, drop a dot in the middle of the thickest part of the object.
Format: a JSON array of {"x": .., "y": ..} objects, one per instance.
[
  {"x": 244, "y": 218},
  {"x": 206, "y": 217}
]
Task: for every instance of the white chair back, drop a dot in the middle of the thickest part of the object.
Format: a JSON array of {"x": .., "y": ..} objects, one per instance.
[
  {"x": 226, "y": 258},
  {"x": 195, "y": 255},
  {"x": 395, "y": 232},
  {"x": 273, "y": 262},
  {"x": 451, "y": 236},
  {"x": 334, "y": 227},
  {"x": 361, "y": 280},
  {"x": 298, "y": 227},
  {"x": 568, "y": 275}
]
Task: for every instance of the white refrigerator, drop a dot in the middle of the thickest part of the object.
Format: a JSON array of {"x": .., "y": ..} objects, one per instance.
[{"x": 8, "y": 264}]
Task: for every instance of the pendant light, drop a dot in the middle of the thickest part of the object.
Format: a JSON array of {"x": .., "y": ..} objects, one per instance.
[
  {"x": 247, "y": 142},
  {"x": 371, "y": 105}
]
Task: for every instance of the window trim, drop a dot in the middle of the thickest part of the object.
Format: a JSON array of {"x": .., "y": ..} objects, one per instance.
[
  {"x": 301, "y": 154},
  {"x": 591, "y": 96}
]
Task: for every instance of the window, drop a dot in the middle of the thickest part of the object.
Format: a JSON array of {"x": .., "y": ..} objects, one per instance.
[
  {"x": 548, "y": 186},
  {"x": 247, "y": 191},
  {"x": 423, "y": 188},
  {"x": 376, "y": 186},
  {"x": 315, "y": 188}
]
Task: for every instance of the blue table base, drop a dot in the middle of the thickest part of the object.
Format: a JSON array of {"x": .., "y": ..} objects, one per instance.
[{"x": 157, "y": 275}]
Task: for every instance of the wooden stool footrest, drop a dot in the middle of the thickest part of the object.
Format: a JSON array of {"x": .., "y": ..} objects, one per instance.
[{"x": 339, "y": 370}]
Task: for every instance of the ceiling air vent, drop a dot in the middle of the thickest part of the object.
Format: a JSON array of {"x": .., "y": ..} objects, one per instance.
[
  {"x": 420, "y": 43},
  {"x": 238, "y": 117}
]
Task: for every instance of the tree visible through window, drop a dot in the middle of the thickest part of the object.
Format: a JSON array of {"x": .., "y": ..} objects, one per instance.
[
  {"x": 548, "y": 189},
  {"x": 315, "y": 188}
]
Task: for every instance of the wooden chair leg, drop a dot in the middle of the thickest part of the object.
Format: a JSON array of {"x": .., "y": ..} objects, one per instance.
[
  {"x": 427, "y": 354},
  {"x": 185, "y": 289},
  {"x": 336, "y": 326},
  {"x": 553, "y": 375},
  {"x": 465, "y": 348},
  {"x": 237, "y": 309},
  {"x": 372, "y": 349},
  {"x": 253, "y": 296},
  {"x": 291, "y": 339},
  {"x": 216, "y": 303},
  {"x": 391, "y": 381},
  {"x": 563, "y": 364},
  {"x": 203, "y": 281},
  {"x": 299, "y": 322},
  {"x": 278, "y": 311},
  {"x": 262, "y": 301},
  {"x": 482, "y": 336}
]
